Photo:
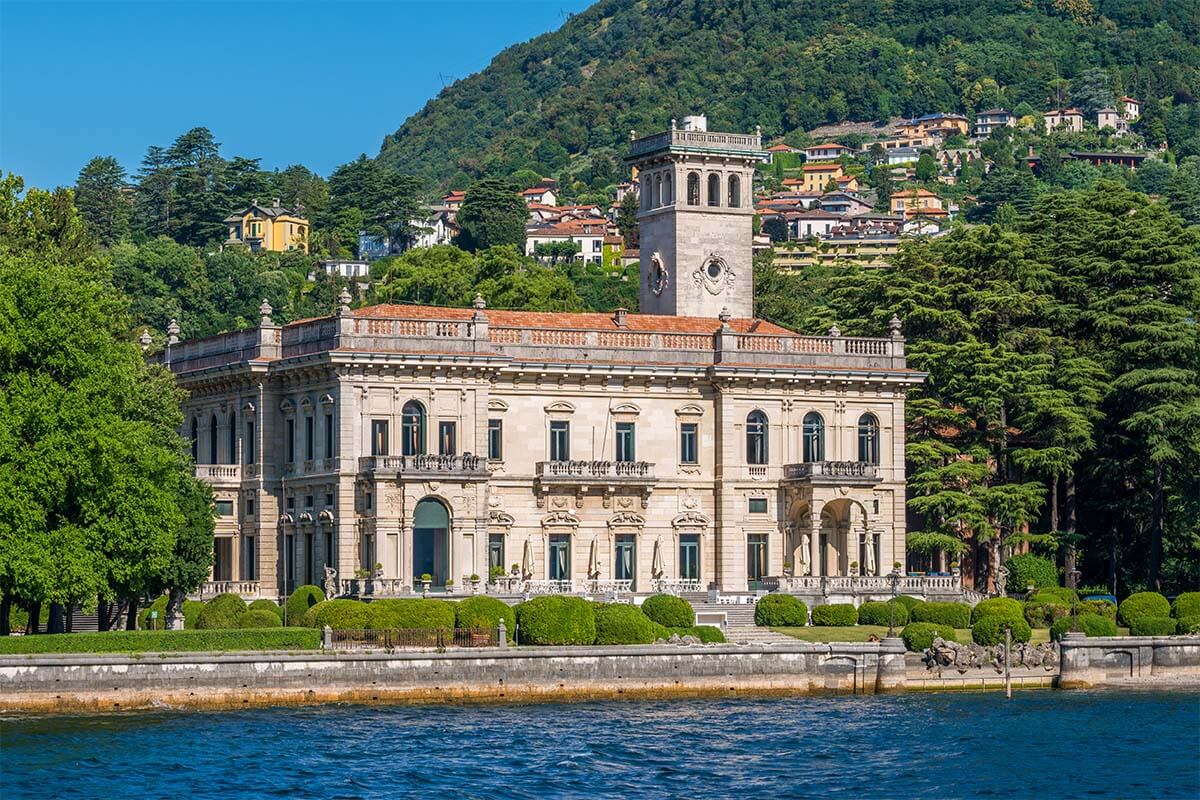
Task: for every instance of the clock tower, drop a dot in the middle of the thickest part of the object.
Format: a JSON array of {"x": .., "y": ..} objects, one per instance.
[{"x": 695, "y": 219}]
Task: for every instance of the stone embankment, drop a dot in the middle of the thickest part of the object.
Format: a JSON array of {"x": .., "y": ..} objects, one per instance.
[
  {"x": 1127, "y": 661},
  {"x": 88, "y": 683}
]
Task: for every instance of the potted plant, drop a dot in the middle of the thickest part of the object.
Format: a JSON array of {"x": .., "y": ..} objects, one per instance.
[
  {"x": 449, "y": 584},
  {"x": 853, "y": 567},
  {"x": 953, "y": 567},
  {"x": 787, "y": 569},
  {"x": 496, "y": 573},
  {"x": 474, "y": 583},
  {"x": 426, "y": 580}
]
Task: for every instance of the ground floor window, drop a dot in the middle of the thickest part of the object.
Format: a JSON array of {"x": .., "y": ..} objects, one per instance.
[
  {"x": 310, "y": 560},
  {"x": 560, "y": 557},
  {"x": 329, "y": 559},
  {"x": 495, "y": 551},
  {"x": 689, "y": 556},
  {"x": 626, "y": 557},
  {"x": 289, "y": 562},
  {"x": 756, "y": 558},
  {"x": 223, "y": 559},
  {"x": 249, "y": 559},
  {"x": 367, "y": 552}
]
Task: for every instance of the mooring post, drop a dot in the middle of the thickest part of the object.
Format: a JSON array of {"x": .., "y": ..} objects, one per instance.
[{"x": 1007, "y": 674}]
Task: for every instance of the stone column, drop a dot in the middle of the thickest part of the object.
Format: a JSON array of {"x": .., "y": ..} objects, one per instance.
[{"x": 815, "y": 544}]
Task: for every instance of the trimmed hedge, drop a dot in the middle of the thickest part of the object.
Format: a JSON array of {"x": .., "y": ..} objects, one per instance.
[
  {"x": 259, "y": 618},
  {"x": 990, "y": 630},
  {"x": 1088, "y": 624},
  {"x": 835, "y": 615},
  {"x": 410, "y": 613},
  {"x": 908, "y": 602},
  {"x": 708, "y": 634},
  {"x": 301, "y": 601},
  {"x": 918, "y": 636},
  {"x": 998, "y": 607},
  {"x": 1187, "y": 604},
  {"x": 164, "y": 641},
  {"x": 556, "y": 620},
  {"x": 1188, "y": 625},
  {"x": 264, "y": 604},
  {"x": 191, "y": 613},
  {"x": 1143, "y": 604},
  {"x": 159, "y": 605},
  {"x": 780, "y": 610},
  {"x": 1028, "y": 570},
  {"x": 222, "y": 612},
  {"x": 621, "y": 623},
  {"x": 341, "y": 615},
  {"x": 1102, "y": 608},
  {"x": 485, "y": 612},
  {"x": 877, "y": 613},
  {"x": 1154, "y": 626},
  {"x": 956, "y": 615},
  {"x": 1041, "y": 614},
  {"x": 669, "y": 611},
  {"x": 1066, "y": 596}
]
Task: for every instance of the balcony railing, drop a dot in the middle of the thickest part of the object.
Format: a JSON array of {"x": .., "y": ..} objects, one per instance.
[
  {"x": 676, "y": 585},
  {"x": 707, "y": 140},
  {"x": 248, "y": 590},
  {"x": 865, "y": 584},
  {"x": 832, "y": 472},
  {"x": 219, "y": 472},
  {"x": 467, "y": 465},
  {"x": 601, "y": 470}
]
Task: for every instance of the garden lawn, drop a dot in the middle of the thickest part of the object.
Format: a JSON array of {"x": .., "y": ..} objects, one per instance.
[
  {"x": 860, "y": 633},
  {"x": 193, "y": 641}
]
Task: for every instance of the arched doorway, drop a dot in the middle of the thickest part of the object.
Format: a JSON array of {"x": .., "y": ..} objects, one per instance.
[{"x": 431, "y": 541}]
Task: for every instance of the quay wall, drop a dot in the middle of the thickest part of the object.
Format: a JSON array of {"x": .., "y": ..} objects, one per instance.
[
  {"x": 108, "y": 682},
  {"x": 1129, "y": 660}
]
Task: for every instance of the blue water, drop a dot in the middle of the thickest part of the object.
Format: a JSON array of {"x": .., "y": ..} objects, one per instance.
[{"x": 1039, "y": 745}]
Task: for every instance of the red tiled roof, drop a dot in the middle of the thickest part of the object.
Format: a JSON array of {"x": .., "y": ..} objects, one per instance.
[
  {"x": 589, "y": 226},
  {"x": 821, "y": 167}
]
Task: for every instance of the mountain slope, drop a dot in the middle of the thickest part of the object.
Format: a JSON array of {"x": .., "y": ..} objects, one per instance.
[{"x": 784, "y": 65}]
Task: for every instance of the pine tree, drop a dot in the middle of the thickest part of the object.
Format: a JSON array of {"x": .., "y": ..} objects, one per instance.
[{"x": 102, "y": 199}]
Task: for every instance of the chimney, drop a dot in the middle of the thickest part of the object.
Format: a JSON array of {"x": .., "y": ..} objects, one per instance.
[{"x": 619, "y": 317}]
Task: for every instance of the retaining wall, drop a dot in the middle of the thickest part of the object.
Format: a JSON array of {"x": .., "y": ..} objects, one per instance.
[
  {"x": 74, "y": 683},
  {"x": 1126, "y": 660}
]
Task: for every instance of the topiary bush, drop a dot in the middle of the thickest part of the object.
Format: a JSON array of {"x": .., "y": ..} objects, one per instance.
[
  {"x": 555, "y": 619},
  {"x": 908, "y": 602},
  {"x": 1143, "y": 604},
  {"x": 1053, "y": 599},
  {"x": 1154, "y": 626},
  {"x": 1101, "y": 608},
  {"x": 221, "y": 612},
  {"x": 669, "y": 611},
  {"x": 998, "y": 607},
  {"x": 259, "y": 618},
  {"x": 621, "y": 623},
  {"x": 990, "y": 630},
  {"x": 1066, "y": 596},
  {"x": 485, "y": 612},
  {"x": 780, "y": 610},
  {"x": 835, "y": 615},
  {"x": 956, "y": 615},
  {"x": 1089, "y": 624},
  {"x": 264, "y": 604},
  {"x": 301, "y": 601},
  {"x": 410, "y": 613},
  {"x": 1188, "y": 625},
  {"x": 918, "y": 636},
  {"x": 1028, "y": 570},
  {"x": 159, "y": 605},
  {"x": 876, "y": 613},
  {"x": 1186, "y": 604},
  {"x": 1043, "y": 615},
  {"x": 341, "y": 615},
  {"x": 191, "y": 613}
]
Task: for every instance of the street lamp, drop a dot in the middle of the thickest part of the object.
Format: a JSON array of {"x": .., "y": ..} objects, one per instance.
[{"x": 893, "y": 579}]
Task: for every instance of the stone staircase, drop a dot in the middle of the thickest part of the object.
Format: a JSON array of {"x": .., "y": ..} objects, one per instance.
[{"x": 739, "y": 623}]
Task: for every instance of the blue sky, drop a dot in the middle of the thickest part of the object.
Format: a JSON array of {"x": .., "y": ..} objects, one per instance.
[{"x": 106, "y": 78}]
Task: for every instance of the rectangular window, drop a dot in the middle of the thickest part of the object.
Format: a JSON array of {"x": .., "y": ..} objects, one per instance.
[
  {"x": 596, "y": 245},
  {"x": 379, "y": 437},
  {"x": 329, "y": 559},
  {"x": 688, "y": 434},
  {"x": 689, "y": 556},
  {"x": 310, "y": 560},
  {"x": 308, "y": 501},
  {"x": 289, "y": 563},
  {"x": 250, "y": 443},
  {"x": 495, "y": 551},
  {"x": 625, "y": 437},
  {"x": 495, "y": 439},
  {"x": 368, "y": 499},
  {"x": 758, "y": 505},
  {"x": 249, "y": 559},
  {"x": 756, "y": 558},
  {"x": 309, "y": 424},
  {"x": 329, "y": 436},
  {"x": 447, "y": 434},
  {"x": 289, "y": 432},
  {"x": 560, "y": 441},
  {"x": 328, "y": 500},
  {"x": 291, "y": 504},
  {"x": 249, "y": 508},
  {"x": 625, "y": 567},
  {"x": 225, "y": 508},
  {"x": 560, "y": 557}
]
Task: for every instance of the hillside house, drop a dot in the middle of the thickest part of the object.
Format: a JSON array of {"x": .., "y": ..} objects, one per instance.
[
  {"x": 914, "y": 202},
  {"x": 272, "y": 228},
  {"x": 817, "y": 176},
  {"x": 1069, "y": 118},
  {"x": 587, "y": 233},
  {"x": 829, "y": 151},
  {"x": 540, "y": 195},
  {"x": 990, "y": 120}
]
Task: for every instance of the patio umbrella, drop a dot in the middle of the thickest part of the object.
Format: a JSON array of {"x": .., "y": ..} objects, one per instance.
[
  {"x": 594, "y": 561},
  {"x": 527, "y": 560},
  {"x": 656, "y": 566}
]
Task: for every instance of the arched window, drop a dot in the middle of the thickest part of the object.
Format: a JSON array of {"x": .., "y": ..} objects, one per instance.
[
  {"x": 195, "y": 440},
  {"x": 735, "y": 191},
  {"x": 667, "y": 191},
  {"x": 233, "y": 432},
  {"x": 714, "y": 190},
  {"x": 645, "y": 193},
  {"x": 814, "y": 437},
  {"x": 756, "y": 438},
  {"x": 868, "y": 439},
  {"x": 658, "y": 190},
  {"x": 693, "y": 195},
  {"x": 412, "y": 429},
  {"x": 212, "y": 439}
]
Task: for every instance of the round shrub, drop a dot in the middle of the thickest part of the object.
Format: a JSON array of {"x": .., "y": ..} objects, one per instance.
[
  {"x": 918, "y": 636},
  {"x": 998, "y": 607},
  {"x": 908, "y": 602},
  {"x": 1088, "y": 624},
  {"x": 875, "y": 613},
  {"x": 341, "y": 615},
  {"x": 780, "y": 610},
  {"x": 1043, "y": 615},
  {"x": 669, "y": 611},
  {"x": 990, "y": 630},
  {"x": 264, "y": 604},
  {"x": 956, "y": 615},
  {"x": 410, "y": 613},
  {"x": 835, "y": 615},
  {"x": 485, "y": 612},
  {"x": 1028, "y": 570},
  {"x": 1153, "y": 626},
  {"x": 1066, "y": 596},
  {"x": 1143, "y": 604},
  {"x": 1101, "y": 608},
  {"x": 621, "y": 623},
  {"x": 555, "y": 619},
  {"x": 707, "y": 634},
  {"x": 1186, "y": 604},
  {"x": 259, "y": 618},
  {"x": 159, "y": 605},
  {"x": 301, "y": 601},
  {"x": 191, "y": 613},
  {"x": 1188, "y": 625},
  {"x": 221, "y": 612}
]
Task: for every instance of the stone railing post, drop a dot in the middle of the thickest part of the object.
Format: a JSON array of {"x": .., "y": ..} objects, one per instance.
[
  {"x": 725, "y": 339},
  {"x": 479, "y": 321},
  {"x": 327, "y": 638},
  {"x": 502, "y": 633},
  {"x": 891, "y": 674}
]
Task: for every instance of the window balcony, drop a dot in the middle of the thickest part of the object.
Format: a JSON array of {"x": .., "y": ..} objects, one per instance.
[
  {"x": 608, "y": 477},
  {"x": 465, "y": 467},
  {"x": 219, "y": 473},
  {"x": 832, "y": 473}
]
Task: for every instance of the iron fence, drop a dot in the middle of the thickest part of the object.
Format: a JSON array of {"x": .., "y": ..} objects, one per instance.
[{"x": 417, "y": 638}]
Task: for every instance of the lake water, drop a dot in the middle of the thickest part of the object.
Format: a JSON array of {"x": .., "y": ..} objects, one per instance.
[{"x": 1041, "y": 744}]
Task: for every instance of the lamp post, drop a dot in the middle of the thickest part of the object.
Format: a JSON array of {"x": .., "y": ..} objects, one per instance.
[{"x": 893, "y": 579}]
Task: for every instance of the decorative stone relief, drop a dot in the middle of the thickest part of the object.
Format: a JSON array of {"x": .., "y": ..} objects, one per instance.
[
  {"x": 688, "y": 500},
  {"x": 627, "y": 519},
  {"x": 714, "y": 274}
]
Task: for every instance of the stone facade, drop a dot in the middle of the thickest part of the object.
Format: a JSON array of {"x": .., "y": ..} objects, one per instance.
[{"x": 622, "y": 452}]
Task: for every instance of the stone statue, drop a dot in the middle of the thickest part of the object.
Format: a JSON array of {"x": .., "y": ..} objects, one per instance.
[
  {"x": 805, "y": 549},
  {"x": 870, "y": 545},
  {"x": 330, "y": 584}
]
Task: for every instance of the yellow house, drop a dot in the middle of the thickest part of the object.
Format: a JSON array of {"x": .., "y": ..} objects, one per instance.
[
  {"x": 817, "y": 176},
  {"x": 268, "y": 228}
]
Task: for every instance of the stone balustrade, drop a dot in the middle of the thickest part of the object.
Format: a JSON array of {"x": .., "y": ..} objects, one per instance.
[
  {"x": 708, "y": 140},
  {"x": 467, "y": 465},
  {"x": 219, "y": 473},
  {"x": 839, "y": 472},
  {"x": 247, "y": 590},
  {"x": 676, "y": 585},
  {"x": 595, "y": 469}
]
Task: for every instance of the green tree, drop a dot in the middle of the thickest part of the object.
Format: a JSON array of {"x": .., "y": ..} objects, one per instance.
[
  {"x": 492, "y": 214},
  {"x": 102, "y": 199},
  {"x": 927, "y": 168},
  {"x": 627, "y": 221}
]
